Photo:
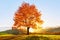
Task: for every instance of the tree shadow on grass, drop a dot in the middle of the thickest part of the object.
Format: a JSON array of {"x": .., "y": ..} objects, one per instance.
[{"x": 37, "y": 38}]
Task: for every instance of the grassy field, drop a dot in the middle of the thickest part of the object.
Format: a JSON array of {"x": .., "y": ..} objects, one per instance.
[
  {"x": 13, "y": 35},
  {"x": 29, "y": 37}
]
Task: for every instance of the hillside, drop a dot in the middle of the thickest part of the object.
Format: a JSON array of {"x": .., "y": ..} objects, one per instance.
[
  {"x": 50, "y": 31},
  {"x": 13, "y": 32},
  {"x": 54, "y": 30}
]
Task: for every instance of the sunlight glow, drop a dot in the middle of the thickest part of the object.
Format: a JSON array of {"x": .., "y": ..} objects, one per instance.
[
  {"x": 39, "y": 28},
  {"x": 31, "y": 30}
]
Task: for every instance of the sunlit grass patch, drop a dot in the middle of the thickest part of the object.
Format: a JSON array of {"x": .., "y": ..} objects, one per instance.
[{"x": 7, "y": 35}]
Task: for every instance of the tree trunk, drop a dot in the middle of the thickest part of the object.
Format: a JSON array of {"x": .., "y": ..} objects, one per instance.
[{"x": 27, "y": 30}]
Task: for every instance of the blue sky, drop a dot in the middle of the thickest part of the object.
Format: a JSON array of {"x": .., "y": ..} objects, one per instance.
[{"x": 50, "y": 10}]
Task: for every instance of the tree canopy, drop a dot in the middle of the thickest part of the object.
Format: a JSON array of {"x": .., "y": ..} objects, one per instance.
[{"x": 27, "y": 15}]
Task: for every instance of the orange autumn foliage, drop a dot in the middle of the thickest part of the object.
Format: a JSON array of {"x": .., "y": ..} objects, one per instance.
[{"x": 27, "y": 15}]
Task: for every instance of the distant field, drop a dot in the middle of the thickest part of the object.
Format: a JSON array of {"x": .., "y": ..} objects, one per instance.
[{"x": 30, "y": 37}]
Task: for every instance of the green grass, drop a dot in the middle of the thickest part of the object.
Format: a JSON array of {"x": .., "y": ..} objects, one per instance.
[{"x": 30, "y": 37}]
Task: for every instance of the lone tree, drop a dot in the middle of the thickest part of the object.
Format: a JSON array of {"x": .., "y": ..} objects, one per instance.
[{"x": 27, "y": 15}]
